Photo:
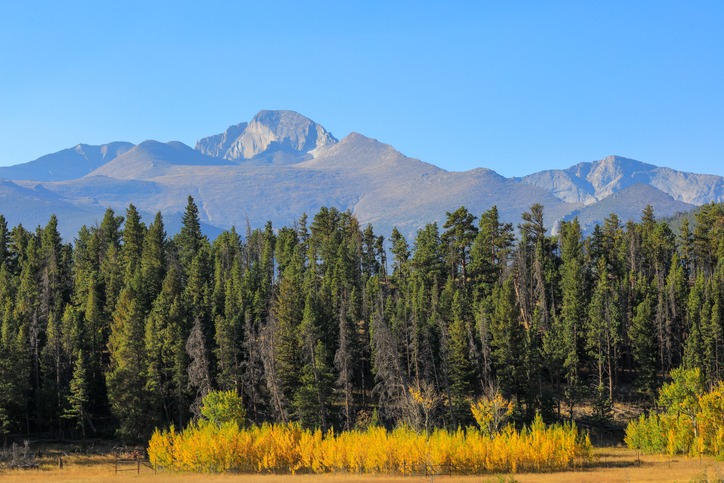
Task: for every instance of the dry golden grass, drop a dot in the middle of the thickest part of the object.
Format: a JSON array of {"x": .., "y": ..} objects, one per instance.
[{"x": 610, "y": 465}]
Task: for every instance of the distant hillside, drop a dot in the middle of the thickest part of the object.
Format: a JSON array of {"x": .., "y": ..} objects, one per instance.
[
  {"x": 628, "y": 204},
  {"x": 69, "y": 163}
]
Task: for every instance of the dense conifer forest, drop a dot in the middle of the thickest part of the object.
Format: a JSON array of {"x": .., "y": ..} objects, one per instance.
[{"x": 331, "y": 325}]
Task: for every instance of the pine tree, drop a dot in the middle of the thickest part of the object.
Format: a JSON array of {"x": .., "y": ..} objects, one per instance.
[
  {"x": 459, "y": 234},
  {"x": 189, "y": 240},
  {"x": 696, "y": 312},
  {"x": 427, "y": 258},
  {"x": 4, "y": 241},
  {"x": 642, "y": 334},
  {"x": 26, "y": 314},
  {"x": 126, "y": 376},
  {"x": 561, "y": 343},
  {"x": 508, "y": 342},
  {"x": 133, "y": 233},
  {"x": 671, "y": 330},
  {"x": 401, "y": 250},
  {"x": 459, "y": 362},
  {"x": 166, "y": 332},
  {"x": 53, "y": 274},
  {"x": 604, "y": 336},
  {"x": 78, "y": 397},
  {"x": 490, "y": 251},
  {"x": 55, "y": 365},
  {"x": 535, "y": 277},
  {"x": 281, "y": 342},
  {"x": 153, "y": 262},
  {"x": 313, "y": 398},
  {"x": 228, "y": 334}
]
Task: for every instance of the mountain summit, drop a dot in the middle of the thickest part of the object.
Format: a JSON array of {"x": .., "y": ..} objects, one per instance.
[{"x": 268, "y": 134}]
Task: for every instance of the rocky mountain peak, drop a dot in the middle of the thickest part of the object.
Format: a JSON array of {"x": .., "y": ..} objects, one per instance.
[
  {"x": 268, "y": 132},
  {"x": 219, "y": 144}
]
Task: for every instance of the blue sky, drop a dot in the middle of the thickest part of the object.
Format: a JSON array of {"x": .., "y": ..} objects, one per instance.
[{"x": 514, "y": 86}]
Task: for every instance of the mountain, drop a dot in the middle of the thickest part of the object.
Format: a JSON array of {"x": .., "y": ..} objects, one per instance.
[
  {"x": 588, "y": 183},
  {"x": 390, "y": 189},
  {"x": 152, "y": 159},
  {"x": 277, "y": 136},
  {"x": 628, "y": 204},
  {"x": 69, "y": 163},
  {"x": 282, "y": 164}
]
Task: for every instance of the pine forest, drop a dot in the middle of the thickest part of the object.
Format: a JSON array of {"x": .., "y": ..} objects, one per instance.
[{"x": 326, "y": 327}]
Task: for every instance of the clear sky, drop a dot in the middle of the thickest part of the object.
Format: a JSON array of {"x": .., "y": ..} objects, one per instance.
[{"x": 515, "y": 86}]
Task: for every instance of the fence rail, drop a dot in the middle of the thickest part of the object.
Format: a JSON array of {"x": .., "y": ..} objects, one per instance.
[{"x": 132, "y": 464}]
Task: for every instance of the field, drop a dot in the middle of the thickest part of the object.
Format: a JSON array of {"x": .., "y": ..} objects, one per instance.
[{"x": 610, "y": 465}]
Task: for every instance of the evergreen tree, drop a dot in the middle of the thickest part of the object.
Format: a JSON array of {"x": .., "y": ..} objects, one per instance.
[
  {"x": 228, "y": 334},
  {"x": 508, "y": 342},
  {"x": 153, "y": 262},
  {"x": 561, "y": 343},
  {"x": 401, "y": 251},
  {"x": 166, "y": 332},
  {"x": 459, "y": 234},
  {"x": 4, "y": 241},
  {"x": 603, "y": 341},
  {"x": 133, "y": 233},
  {"x": 491, "y": 250},
  {"x": 282, "y": 352},
  {"x": 459, "y": 361},
  {"x": 313, "y": 398},
  {"x": 642, "y": 334},
  {"x": 26, "y": 314},
  {"x": 427, "y": 258},
  {"x": 126, "y": 375},
  {"x": 78, "y": 397},
  {"x": 189, "y": 240}
]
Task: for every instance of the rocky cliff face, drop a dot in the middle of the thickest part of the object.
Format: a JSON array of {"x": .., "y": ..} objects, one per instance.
[
  {"x": 268, "y": 131},
  {"x": 219, "y": 144}
]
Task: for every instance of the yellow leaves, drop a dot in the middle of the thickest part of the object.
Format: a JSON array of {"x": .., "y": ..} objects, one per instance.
[
  {"x": 288, "y": 448},
  {"x": 491, "y": 412},
  {"x": 697, "y": 428}
]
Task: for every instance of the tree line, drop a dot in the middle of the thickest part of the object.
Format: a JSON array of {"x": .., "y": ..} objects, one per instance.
[{"x": 331, "y": 325}]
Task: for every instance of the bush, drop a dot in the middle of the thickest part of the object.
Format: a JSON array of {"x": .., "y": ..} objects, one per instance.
[
  {"x": 691, "y": 422},
  {"x": 221, "y": 407}
]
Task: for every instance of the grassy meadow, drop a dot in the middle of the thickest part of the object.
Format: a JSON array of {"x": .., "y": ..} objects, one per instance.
[{"x": 608, "y": 465}]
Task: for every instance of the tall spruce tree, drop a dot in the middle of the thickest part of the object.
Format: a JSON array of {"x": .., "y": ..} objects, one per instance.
[{"x": 126, "y": 375}]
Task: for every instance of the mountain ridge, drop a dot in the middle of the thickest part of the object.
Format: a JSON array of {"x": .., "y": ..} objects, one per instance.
[
  {"x": 591, "y": 182},
  {"x": 69, "y": 163},
  {"x": 282, "y": 164}
]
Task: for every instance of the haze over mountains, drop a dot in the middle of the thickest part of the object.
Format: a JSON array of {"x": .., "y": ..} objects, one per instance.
[{"x": 282, "y": 164}]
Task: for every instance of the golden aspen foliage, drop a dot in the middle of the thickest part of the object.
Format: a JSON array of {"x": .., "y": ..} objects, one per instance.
[
  {"x": 288, "y": 448},
  {"x": 693, "y": 422},
  {"x": 491, "y": 412}
]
